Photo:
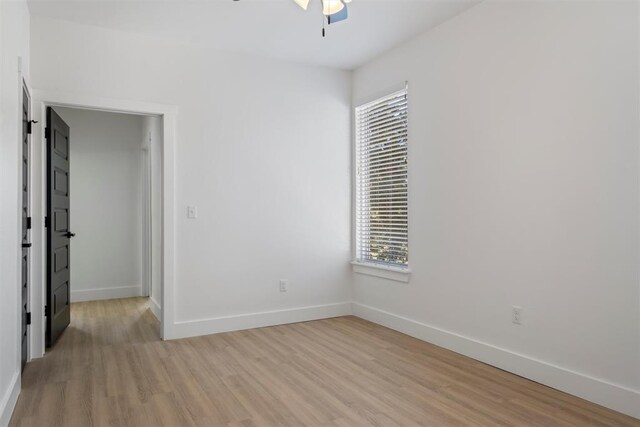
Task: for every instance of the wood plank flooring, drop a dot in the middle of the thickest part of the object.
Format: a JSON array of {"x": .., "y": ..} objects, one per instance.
[{"x": 110, "y": 369}]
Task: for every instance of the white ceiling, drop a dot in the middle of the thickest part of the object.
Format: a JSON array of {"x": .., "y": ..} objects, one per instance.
[{"x": 274, "y": 28}]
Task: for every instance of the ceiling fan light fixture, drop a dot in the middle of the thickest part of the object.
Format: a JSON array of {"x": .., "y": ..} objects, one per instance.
[
  {"x": 341, "y": 15},
  {"x": 331, "y": 7},
  {"x": 302, "y": 3}
]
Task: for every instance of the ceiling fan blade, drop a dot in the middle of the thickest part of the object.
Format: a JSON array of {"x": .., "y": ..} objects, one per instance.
[{"x": 302, "y": 3}]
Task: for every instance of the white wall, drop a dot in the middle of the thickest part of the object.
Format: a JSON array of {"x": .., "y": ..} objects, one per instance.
[
  {"x": 14, "y": 44},
  {"x": 106, "y": 203},
  {"x": 523, "y": 191},
  {"x": 262, "y": 150},
  {"x": 152, "y": 135}
]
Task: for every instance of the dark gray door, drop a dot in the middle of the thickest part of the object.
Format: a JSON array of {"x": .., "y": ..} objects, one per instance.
[
  {"x": 26, "y": 220},
  {"x": 58, "y": 310}
]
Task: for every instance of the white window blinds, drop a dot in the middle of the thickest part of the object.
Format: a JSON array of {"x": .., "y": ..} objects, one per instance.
[{"x": 381, "y": 182}]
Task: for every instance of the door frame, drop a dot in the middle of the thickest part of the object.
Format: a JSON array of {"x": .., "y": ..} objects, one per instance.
[{"x": 43, "y": 99}]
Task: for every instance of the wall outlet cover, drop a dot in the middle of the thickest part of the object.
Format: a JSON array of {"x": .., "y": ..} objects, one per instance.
[
  {"x": 516, "y": 315},
  {"x": 192, "y": 212}
]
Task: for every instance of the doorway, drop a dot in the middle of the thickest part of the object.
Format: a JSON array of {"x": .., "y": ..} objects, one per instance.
[
  {"x": 162, "y": 247},
  {"x": 103, "y": 187}
]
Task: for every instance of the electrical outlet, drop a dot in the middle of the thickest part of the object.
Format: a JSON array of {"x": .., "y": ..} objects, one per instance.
[
  {"x": 284, "y": 285},
  {"x": 516, "y": 315},
  {"x": 192, "y": 212}
]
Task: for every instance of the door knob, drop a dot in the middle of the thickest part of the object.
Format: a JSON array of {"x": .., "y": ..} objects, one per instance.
[{"x": 69, "y": 234}]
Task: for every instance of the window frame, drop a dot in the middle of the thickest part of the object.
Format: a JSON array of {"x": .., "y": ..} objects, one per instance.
[{"x": 386, "y": 270}]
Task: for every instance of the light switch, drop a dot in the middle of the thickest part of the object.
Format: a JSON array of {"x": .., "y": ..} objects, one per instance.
[{"x": 192, "y": 212}]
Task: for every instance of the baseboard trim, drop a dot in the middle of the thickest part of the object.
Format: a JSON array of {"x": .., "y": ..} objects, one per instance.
[
  {"x": 613, "y": 396},
  {"x": 192, "y": 328},
  {"x": 106, "y": 293},
  {"x": 155, "y": 308},
  {"x": 8, "y": 403}
]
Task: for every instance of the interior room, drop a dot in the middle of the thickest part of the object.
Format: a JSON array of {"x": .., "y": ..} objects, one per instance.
[{"x": 319, "y": 213}]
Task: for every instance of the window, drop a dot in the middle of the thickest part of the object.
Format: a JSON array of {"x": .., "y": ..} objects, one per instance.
[{"x": 381, "y": 182}]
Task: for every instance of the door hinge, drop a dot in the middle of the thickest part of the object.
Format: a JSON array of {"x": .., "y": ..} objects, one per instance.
[
  {"x": 28, "y": 223},
  {"x": 46, "y": 222},
  {"x": 47, "y": 132},
  {"x": 46, "y": 311},
  {"x": 28, "y": 318}
]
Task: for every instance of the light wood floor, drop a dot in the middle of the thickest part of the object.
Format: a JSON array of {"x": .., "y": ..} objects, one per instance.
[{"x": 110, "y": 368}]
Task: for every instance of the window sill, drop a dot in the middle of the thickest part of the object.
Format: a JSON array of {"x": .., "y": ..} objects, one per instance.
[{"x": 386, "y": 272}]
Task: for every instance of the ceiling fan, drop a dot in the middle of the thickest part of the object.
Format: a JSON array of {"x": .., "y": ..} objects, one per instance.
[{"x": 334, "y": 10}]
